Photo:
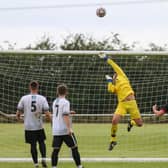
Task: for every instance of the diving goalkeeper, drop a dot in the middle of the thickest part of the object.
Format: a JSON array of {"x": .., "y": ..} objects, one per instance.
[{"x": 120, "y": 85}]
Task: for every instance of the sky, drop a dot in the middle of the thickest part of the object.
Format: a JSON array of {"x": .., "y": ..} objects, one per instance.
[{"x": 140, "y": 22}]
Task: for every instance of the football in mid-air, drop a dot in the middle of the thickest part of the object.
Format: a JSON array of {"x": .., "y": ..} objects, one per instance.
[{"x": 100, "y": 12}]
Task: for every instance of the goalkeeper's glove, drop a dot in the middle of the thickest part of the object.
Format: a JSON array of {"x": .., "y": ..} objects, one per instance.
[
  {"x": 108, "y": 78},
  {"x": 103, "y": 56}
]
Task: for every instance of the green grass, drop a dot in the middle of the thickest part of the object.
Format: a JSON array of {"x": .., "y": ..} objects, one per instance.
[
  {"x": 149, "y": 141},
  {"x": 92, "y": 165}
]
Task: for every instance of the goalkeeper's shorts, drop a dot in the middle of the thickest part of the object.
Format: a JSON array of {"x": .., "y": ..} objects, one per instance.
[{"x": 128, "y": 107}]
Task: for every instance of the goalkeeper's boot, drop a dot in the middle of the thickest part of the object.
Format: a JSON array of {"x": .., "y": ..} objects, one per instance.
[
  {"x": 112, "y": 144},
  {"x": 44, "y": 165},
  {"x": 129, "y": 126}
]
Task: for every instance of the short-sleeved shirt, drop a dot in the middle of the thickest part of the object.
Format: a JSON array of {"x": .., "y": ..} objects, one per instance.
[
  {"x": 165, "y": 108},
  {"x": 61, "y": 107},
  {"x": 33, "y": 106}
]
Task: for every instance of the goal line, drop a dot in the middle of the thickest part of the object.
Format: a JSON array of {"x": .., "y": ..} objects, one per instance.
[{"x": 91, "y": 159}]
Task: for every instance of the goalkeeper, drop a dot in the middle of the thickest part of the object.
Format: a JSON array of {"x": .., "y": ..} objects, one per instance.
[{"x": 120, "y": 85}]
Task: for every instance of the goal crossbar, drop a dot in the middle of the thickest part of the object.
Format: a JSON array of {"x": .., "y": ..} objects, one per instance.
[{"x": 84, "y": 52}]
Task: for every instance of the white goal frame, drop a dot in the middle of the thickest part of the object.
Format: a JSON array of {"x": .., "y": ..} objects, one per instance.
[
  {"x": 84, "y": 52},
  {"x": 77, "y": 53}
]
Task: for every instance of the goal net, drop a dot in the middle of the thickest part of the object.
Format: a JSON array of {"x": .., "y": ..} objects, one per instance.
[{"x": 84, "y": 74}]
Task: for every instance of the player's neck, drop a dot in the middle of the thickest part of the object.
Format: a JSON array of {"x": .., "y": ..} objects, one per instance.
[
  {"x": 34, "y": 92},
  {"x": 61, "y": 96}
]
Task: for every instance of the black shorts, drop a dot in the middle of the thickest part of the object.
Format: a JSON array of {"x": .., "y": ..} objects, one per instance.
[
  {"x": 34, "y": 136},
  {"x": 69, "y": 140}
]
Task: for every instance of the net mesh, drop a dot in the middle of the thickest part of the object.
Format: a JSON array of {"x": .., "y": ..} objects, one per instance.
[{"x": 85, "y": 78}]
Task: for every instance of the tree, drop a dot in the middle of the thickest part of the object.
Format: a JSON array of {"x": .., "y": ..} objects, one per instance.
[
  {"x": 45, "y": 43},
  {"x": 83, "y": 42},
  {"x": 155, "y": 47}
]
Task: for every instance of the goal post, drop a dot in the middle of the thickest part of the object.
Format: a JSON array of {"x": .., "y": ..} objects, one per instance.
[{"x": 84, "y": 73}]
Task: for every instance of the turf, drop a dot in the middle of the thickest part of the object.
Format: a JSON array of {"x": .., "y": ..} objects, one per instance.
[
  {"x": 92, "y": 165},
  {"x": 149, "y": 141}
]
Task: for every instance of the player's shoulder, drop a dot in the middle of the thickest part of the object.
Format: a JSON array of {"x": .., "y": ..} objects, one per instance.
[
  {"x": 40, "y": 96},
  {"x": 64, "y": 101},
  {"x": 25, "y": 96}
]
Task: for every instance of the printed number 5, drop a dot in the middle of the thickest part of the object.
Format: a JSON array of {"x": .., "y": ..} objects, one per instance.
[{"x": 33, "y": 106}]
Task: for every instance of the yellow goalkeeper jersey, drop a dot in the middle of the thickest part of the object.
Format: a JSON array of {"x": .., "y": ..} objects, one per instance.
[{"x": 122, "y": 85}]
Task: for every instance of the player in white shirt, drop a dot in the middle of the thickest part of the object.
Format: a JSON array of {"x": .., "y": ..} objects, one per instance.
[
  {"x": 33, "y": 106},
  {"x": 62, "y": 127}
]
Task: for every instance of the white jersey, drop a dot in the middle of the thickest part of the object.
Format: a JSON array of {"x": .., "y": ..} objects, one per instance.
[
  {"x": 61, "y": 107},
  {"x": 33, "y": 105}
]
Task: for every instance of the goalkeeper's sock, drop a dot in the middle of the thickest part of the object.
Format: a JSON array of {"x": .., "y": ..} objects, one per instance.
[
  {"x": 113, "y": 139},
  {"x": 133, "y": 123},
  {"x": 113, "y": 133},
  {"x": 130, "y": 125}
]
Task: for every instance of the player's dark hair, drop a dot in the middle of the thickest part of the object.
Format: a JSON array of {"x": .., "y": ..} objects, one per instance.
[
  {"x": 34, "y": 85},
  {"x": 62, "y": 89}
]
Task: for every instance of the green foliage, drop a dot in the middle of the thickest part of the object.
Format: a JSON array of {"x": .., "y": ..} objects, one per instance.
[
  {"x": 155, "y": 47},
  {"x": 83, "y": 42},
  {"x": 44, "y": 44}
]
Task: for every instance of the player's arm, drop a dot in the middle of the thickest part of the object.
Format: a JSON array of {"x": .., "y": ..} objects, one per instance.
[
  {"x": 46, "y": 110},
  {"x": 66, "y": 116},
  {"x": 48, "y": 116},
  {"x": 158, "y": 112},
  {"x": 72, "y": 112},
  {"x": 110, "y": 86},
  {"x": 20, "y": 108},
  {"x": 116, "y": 68},
  {"x": 18, "y": 115},
  {"x": 67, "y": 122}
]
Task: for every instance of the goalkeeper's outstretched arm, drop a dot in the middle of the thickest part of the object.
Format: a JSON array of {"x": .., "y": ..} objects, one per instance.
[{"x": 116, "y": 68}]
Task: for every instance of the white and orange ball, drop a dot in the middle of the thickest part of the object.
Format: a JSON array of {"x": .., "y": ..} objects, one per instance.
[{"x": 101, "y": 12}]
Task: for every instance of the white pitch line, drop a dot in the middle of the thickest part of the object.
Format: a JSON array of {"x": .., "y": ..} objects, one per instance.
[{"x": 91, "y": 159}]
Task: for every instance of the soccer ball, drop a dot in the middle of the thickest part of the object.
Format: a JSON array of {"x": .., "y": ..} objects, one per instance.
[{"x": 101, "y": 12}]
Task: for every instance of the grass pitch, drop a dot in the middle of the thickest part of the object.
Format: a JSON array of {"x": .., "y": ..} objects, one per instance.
[
  {"x": 149, "y": 141},
  {"x": 92, "y": 165}
]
